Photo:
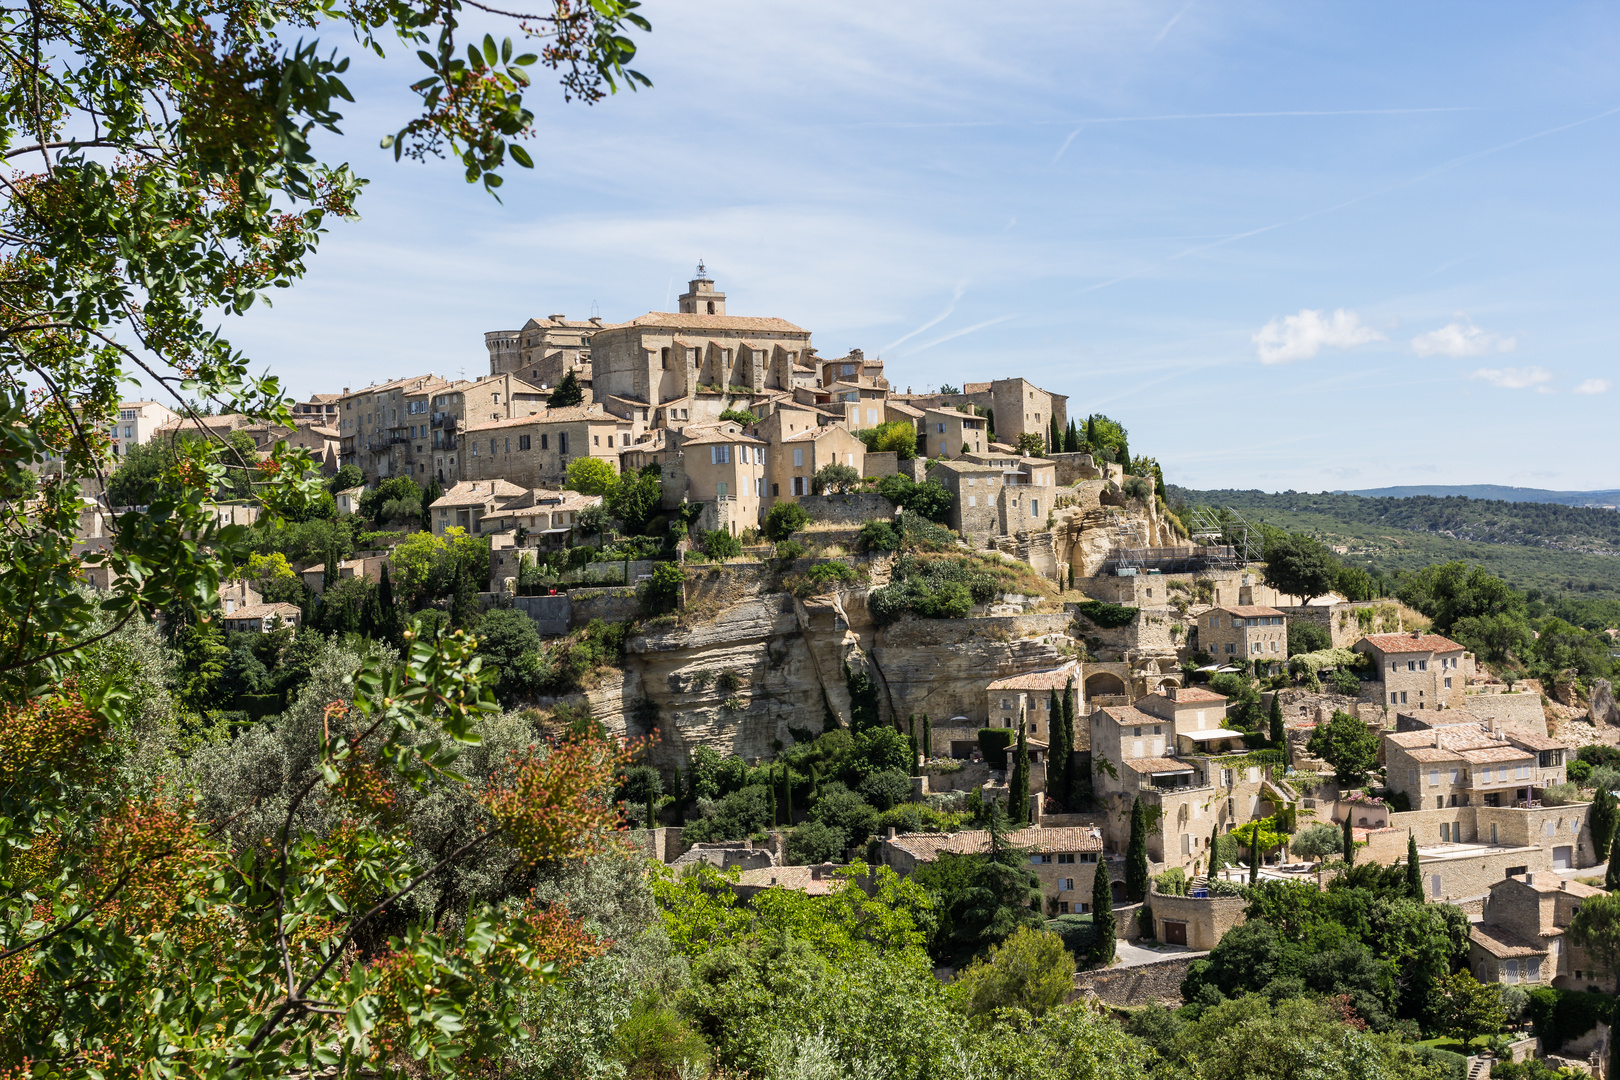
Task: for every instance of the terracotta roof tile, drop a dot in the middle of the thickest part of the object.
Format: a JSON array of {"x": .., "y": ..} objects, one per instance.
[
  {"x": 1503, "y": 943},
  {"x": 1251, "y": 611},
  {"x": 1157, "y": 766},
  {"x": 1051, "y": 679},
  {"x": 263, "y": 611},
  {"x": 1411, "y": 643},
  {"x": 478, "y": 492},
  {"x": 927, "y": 846},
  {"x": 1531, "y": 741},
  {"x": 1495, "y": 754},
  {"x": 1129, "y": 714},
  {"x": 683, "y": 321}
]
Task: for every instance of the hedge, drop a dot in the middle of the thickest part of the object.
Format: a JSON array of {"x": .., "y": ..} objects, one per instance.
[
  {"x": 993, "y": 743},
  {"x": 1107, "y": 616},
  {"x": 1077, "y": 933},
  {"x": 1560, "y": 1016},
  {"x": 1454, "y": 1063}
]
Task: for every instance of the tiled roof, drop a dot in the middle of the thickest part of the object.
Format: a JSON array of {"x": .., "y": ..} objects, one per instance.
[
  {"x": 1250, "y": 611},
  {"x": 1154, "y": 766},
  {"x": 1531, "y": 741},
  {"x": 415, "y": 382},
  {"x": 1548, "y": 882},
  {"x": 1456, "y": 738},
  {"x": 263, "y": 611},
  {"x": 926, "y": 846},
  {"x": 1503, "y": 943},
  {"x": 903, "y": 409},
  {"x": 1495, "y": 754},
  {"x": 478, "y": 492},
  {"x": 1051, "y": 679},
  {"x": 683, "y": 321},
  {"x": 1411, "y": 643},
  {"x": 810, "y": 880},
  {"x": 718, "y": 436},
  {"x": 573, "y": 414},
  {"x": 1193, "y": 693},
  {"x": 1129, "y": 714},
  {"x": 1431, "y": 754}
]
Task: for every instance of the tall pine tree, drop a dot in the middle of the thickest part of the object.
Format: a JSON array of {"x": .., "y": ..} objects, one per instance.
[
  {"x": 1018, "y": 782},
  {"x": 1414, "y": 870},
  {"x": 1277, "y": 733},
  {"x": 392, "y": 624},
  {"x": 1102, "y": 916},
  {"x": 1214, "y": 849},
  {"x": 568, "y": 392},
  {"x": 1601, "y": 819},
  {"x": 1055, "y": 777},
  {"x": 927, "y": 738},
  {"x": 1136, "y": 859},
  {"x": 1349, "y": 842}
]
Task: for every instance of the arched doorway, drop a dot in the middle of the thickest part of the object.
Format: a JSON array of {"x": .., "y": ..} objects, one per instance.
[{"x": 1104, "y": 684}]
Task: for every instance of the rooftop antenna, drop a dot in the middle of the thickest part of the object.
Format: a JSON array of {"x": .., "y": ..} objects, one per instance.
[
  {"x": 702, "y": 272},
  {"x": 596, "y": 310}
]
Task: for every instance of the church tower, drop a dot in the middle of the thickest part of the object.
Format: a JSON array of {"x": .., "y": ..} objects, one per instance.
[{"x": 700, "y": 297}]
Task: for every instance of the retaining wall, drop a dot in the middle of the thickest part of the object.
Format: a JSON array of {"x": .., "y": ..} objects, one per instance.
[
  {"x": 856, "y": 509},
  {"x": 1140, "y": 985}
]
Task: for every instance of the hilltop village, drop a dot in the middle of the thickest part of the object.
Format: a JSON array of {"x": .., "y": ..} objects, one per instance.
[{"x": 862, "y": 634}]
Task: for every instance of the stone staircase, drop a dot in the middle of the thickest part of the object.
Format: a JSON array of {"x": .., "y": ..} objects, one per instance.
[{"x": 1479, "y": 1067}]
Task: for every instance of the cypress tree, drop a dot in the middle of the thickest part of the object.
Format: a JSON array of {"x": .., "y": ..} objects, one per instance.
[
  {"x": 1601, "y": 818},
  {"x": 652, "y": 819},
  {"x": 1102, "y": 916},
  {"x": 1349, "y": 842},
  {"x": 815, "y": 782},
  {"x": 1254, "y": 856},
  {"x": 1124, "y": 454},
  {"x": 1278, "y": 735},
  {"x": 430, "y": 495},
  {"x": 927, "y": 738},
  {"x": 1136, "y": 860},
  {"x": 1018, "y": 783},
  {"x": 787, "y": 794},
  {"x": 1414, "y": 871},
  {"x": 680, "y": 799},
  {"x": 1055, "y": 785},
  {"x": 1214, "y": 849},
  {"x": 771, "y": 788},
  {"x": 1611, "y": 880},
  {"x": 1071, "y": 574},
  {"x": 329, "y": 572},
  {"x": 1091, "y": 433}
]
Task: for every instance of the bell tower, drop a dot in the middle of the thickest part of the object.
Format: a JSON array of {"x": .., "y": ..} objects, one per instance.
[{"x": 700, "y": 297}]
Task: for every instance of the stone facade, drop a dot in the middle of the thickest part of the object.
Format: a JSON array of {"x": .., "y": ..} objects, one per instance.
[
  {"x": 1196, "y": 922},
  {"x": 1244, "y": 634},
  {"x": 374, "y": 426},
  {"x": 1464, "y": 764},
  {"x": 1064, "y": 859},
  {"x": 951, "y": 434},
  {"x": 1521, "y": 935},
  {"x": 534, "y": 450},
  {"x": 1417, "y": 670}
]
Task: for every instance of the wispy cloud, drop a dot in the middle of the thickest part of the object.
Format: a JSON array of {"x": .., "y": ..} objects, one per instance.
[
  {"x": 1515, "y": 378},
  {"x": 1595, "y": 386},
  {"x": 958, "y": 333},
  {"x": 1302, "y": 336},
  {"x": 956, "y": 295},
  {"x": 1461, "y": 338},
  {"x": 1171, "y": 25}
]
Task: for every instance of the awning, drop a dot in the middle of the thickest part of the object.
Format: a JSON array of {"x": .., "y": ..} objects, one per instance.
[{"x": 1207, "y": 736}]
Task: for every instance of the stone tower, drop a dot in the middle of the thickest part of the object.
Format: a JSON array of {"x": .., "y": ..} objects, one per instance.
[{"x": 700, "y": 297}]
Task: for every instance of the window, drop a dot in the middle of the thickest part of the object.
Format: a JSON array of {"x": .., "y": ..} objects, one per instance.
[
  {"x": 1403, "y": 697},
  {"x": 973, "y": 500},
  {"x": 1158, "y": 729},
  {"x": 1068, "y": 858},
  {"x": 1411, "y": 665},
  {"x": 1434, "y": 777},
  {"x": 562, "y": 442},
  {"x": 1066, "y": 884},
  {"x": 596, "y": 440},
  {"x": 1533, "y": 969},
  {"x": 720, "y": 489},
  {"x": 798, "y": 485},
  {"x": 1039, "y": 859},
  {"x": 941, "y": 428},
  {"x": 1423, "y": 665},
  {"x": 1510, "y": 971},
  {"x": 1230, "y": 648},
  {"x": 719, "y": 455},
  {"x": 1445, "y": 832},
  {"x": 509, "y": 444},
  {"x": 1136, "y": 731},
  {"x": 1434, "y": 886},
  {"x": 1448, "y": 682},
  {"x": 1392, "y": 697},
  {"x": 523, "y": 442},
  {"x": 1455, "y": 775},
  {"x": 798, "y": 459},
  {"x": 1063, "y": 907},
  {"x": 1034, "y": 507},
  {"x": 1088, "y": 856},
  {"x": 542, "y": 440}
]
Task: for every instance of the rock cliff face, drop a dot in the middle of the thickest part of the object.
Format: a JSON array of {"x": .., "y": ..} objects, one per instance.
[{"x": 765, "y": 671}]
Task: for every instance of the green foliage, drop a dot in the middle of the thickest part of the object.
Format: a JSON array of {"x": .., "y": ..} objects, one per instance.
[
  {"x": 993, "y": 743},
  {"x": 1031, "y": 970},
  {"x": 634, "y": 499},
  {"x": 1560, "y": 1016},
  {"x": 1018, "y": 802},
  {"x": 347, "y": 478},
  {"x": 815, "y": 842},
  {"x": 590, "y": 475},
  {"x": 898, "y": 437},
  {"x": 1347, "y": 744},
  {"x": 1299, "y": 565},
  {"x": 980, "y": 899},
  {"x": 1601, "y": 818},
  {"x": 878, "y": 749},
  {"x": 394, "y": 500},
  {"x": 739, "y": 416},
  {"x": 667, "y": 587},
  {"x": 887, "y": 788},
  {"x": 878, "y": 535},
  {"x": 784, "y": 520},
  {"x": 1305, "y": 636},
  {"x": 1317, "y": 841},
  {"x": 835, "y": 479},
  {"x": 721, "y": 544},
  {"x": 508, "y": 640},
  {"x": 1107, "y": 616},
  {"x": 929, "y": 499},
  {"x": 1460, "y": 1005},
  {"x": 567, "y": 393},
  {"x": 851, "y": 817},
  {"x": 1136, "y": 866},
  {"x": 1104, "y": 929}
]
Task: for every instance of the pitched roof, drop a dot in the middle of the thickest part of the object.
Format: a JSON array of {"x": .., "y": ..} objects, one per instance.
[
  {"x": 1050, "y": 679},
  {"x": 810, "y": 880},
  {"x": 683, "y": 321},
  {"x": 1432, "y": 754},
  {"x": 1456, "y": 738},
  {"x": 1157, "y": 766},
  {"x": 1503, "y": 943},
  {"x": 1184, "y": 694},
  {"x": 263, "y": 611},
  {"x": 905, "y": 410},
  {"x": 1411, "y": 643},
  {"x": 1251, "y": 611},
  {"x": 1495, "y": 754},
  {"x": 926, "y": 846},
  {"x": 1531, "y": 741},
  {"x": 421, "y": 381},
  {"x": 572, "y": 414},
  {"x": 478, "y": 492},
  {"x": 1128, "y": 714}
]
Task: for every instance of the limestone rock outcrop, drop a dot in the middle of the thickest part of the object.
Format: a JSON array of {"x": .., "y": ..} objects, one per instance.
[{"x": 1600, "y": 704}]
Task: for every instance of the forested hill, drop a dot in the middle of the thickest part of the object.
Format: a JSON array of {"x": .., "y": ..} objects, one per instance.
[
  {"x": 1496, "y": 492},
  {"x": 1566, "y": 551}
]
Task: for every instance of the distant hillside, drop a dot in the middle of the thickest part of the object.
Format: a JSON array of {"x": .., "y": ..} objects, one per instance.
[
  {"x": 1496, "y": 491},
  {"x": 1562, "y": 549}
]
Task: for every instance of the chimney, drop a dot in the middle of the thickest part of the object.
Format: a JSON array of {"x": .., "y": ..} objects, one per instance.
[
  {"x": 1437, "y": 738},
  {"x": 1416, "y": 635}
]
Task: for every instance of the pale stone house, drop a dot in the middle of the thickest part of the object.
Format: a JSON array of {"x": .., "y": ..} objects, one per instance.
[
  {"x": 1245, "y": 633},
  {"x": 533, "y": 451},
  {"x": 722, "y": 464},
  {"x": 1065, "y": 859},
  {"x": 262, "y": 618},
  {"x": 977, "y": 498},
  {"x": 374, "y": 426},
  {"x": 320, "y": 408},
  {"x": 1469, "y": 764},
  {"x": 544, "y": 350},
  {"x": 465, "y": 505},
  {"x": 1424, "y": 671},
  {"x": 951, "y": 434},
  {"x": 799, "y": 446},
  {"x": 1030, "y": 695},
  {"x": 1521, "y": 936},
  {"x": 136, "y": 424}
]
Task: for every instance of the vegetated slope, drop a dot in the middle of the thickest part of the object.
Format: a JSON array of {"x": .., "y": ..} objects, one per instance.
[
  {"x": 1494, "y": 491},
  {"x": 1530, "y": 545}
]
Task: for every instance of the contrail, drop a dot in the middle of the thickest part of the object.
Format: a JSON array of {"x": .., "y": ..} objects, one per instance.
[
  {"x": 935, "y": 321},
  {"x": 958, "y": 333}
]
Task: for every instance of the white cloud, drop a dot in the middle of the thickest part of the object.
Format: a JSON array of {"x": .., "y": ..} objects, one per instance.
[
  {"x": 1515, "y": 378},
  {"x": 1302, "y": 336},
  {"x": 1459, "y": 339},
  {"x": 1594, "y": 386}
]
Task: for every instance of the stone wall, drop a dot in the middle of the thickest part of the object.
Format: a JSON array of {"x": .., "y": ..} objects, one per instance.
[
  {"x": 1072, "y": 468},
  {"x": 1207, "y": 919},
  {"x": 1141, "y": 985},
  {"x": 551, "y": 614},
  {"x": 855, "y": 509},
  {"x": 1520, "y": 711},
  {"x": 880, "y": 464},
  {"x": 661, "y": 844},
  {"x": 616, "y": 603},
  {"x": 726, "y": 583}
]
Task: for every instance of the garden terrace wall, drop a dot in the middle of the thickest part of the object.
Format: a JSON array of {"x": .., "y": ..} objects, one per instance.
[
  {"x": 1141, "y": 985},
  {"x": 913, "y": 632},
  {"x": 616, "y": 603},
  {"x": 1205, "y": 919},
  {"x": 727, "y": 583},
  {"x": 854, "y": 509},
  {"x": 551, "y": 614}
]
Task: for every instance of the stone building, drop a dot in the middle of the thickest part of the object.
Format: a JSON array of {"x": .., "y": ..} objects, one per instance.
[
  {"x": 533, "y": 451},
  {"x": 1521, "y": 937},
  {"x": 951, "y": 434},
  {"x": 465, "y": 505},
  {"x": 1030, "y": 695},
  {"x": 724, "y": 465},
  {"x": 662, "y": 356},
  {"x": 262, "y": 618},
  {"x": 137, "y": 422},
  {"x": 1065, "y": 859},
  {"x": 976, "y": 498},
  {"x": 541, "y": 517},
  {"x": 544, "y": 350},
  {"x": 441, "y": 417},
  {"x": 320, "y": 408},
  {"x": 1468, "y": 764},
  {"x": 799, "y": 447},
  {"x": 1016, "y": 405},
  {"x": 1421, "y": 670},
  {"x": 375, "y": 425},
  {"x": 1240, "y": 633}
]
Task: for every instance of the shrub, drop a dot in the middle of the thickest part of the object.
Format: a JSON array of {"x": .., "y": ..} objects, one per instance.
[
  {"x": 1559, "y": 1016},
  {"x": 784, "y": 520},
  {"x": 1107, "y": 616},
  {"x": 815, "y": 842},
  {"x": 877, "y": 750},
  {"x": 1173, "y": 882},
  {"x": 1346, "y": 683},
  {"x": 1305, "y": 636},
  {"x": 878, "y": 535},
  {"x": 849, "y": 815},
  {"x": 1137, "y": 488},
  {"x": 834, "y": 479},
  {"x": 993, "y": 743},
  {"x": 720, "y": 544},
  {"x": 1317, "y": 842},
  {"x": 887, "y": 604},
  {"x": 667, "y": 587},
  {"x": 886, "y": 789},
  {"x": 1561, "y": 794},
  {"x": 1077, "y": 933},
  {"x": 788, "y": 550}
]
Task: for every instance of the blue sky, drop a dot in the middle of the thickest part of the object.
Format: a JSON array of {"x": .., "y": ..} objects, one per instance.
[{"x": 1288, "y": 245}]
